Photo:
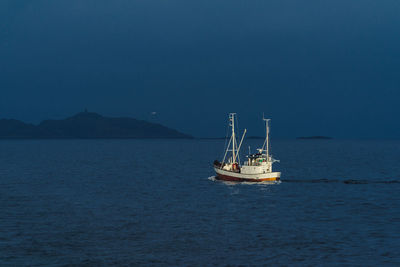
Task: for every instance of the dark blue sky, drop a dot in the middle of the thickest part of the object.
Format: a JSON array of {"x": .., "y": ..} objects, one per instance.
[{"x": 315, "y": 67}]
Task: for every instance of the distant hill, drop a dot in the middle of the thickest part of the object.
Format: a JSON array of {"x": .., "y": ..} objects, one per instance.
[
  {"x": 18, "y": 129},
  {"x": 87, "y": 125}
]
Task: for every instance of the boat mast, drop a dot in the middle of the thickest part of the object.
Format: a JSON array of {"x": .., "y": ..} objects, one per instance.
[
  {"x": 235, "y": 149},
  {"x": 232, "y": 119},
  {"x": 267, "y": 137}
]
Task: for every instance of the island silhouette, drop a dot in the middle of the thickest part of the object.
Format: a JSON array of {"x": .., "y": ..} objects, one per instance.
[{"x": 87, "y": 125}]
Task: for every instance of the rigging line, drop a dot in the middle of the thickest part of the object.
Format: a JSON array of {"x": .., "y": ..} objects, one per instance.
[
  {"x": 226, "y": 152},
  {"x": 265, "y": 141},
  {"x": 238, "y": 152},
  {"x": 264, "y": 147}
]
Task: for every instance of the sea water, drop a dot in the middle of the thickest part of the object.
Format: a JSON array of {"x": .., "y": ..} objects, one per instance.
[{"x": 156, "y": 203}]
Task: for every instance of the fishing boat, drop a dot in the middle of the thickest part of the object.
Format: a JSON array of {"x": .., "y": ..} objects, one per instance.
[{"x": 257, "y": 167}]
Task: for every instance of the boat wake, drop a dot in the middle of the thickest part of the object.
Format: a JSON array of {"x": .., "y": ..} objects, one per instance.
[
  {"x": 214, "y": 179},
  {"x": 347, "y": 181}
]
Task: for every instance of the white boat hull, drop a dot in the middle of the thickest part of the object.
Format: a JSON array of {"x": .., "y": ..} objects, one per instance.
[{"x": 240, "y": 177}]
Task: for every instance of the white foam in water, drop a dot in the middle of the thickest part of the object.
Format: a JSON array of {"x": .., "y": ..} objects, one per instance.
[
  {"x": 213, "y": 178},
  {"x": 261, "y": 183}
]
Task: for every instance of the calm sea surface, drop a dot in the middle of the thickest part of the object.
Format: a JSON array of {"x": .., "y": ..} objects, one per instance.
[{"x": 155, "y": 203}]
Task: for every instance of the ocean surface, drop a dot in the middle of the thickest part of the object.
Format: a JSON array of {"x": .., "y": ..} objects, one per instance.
[{"x": 156, "y": 203}]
